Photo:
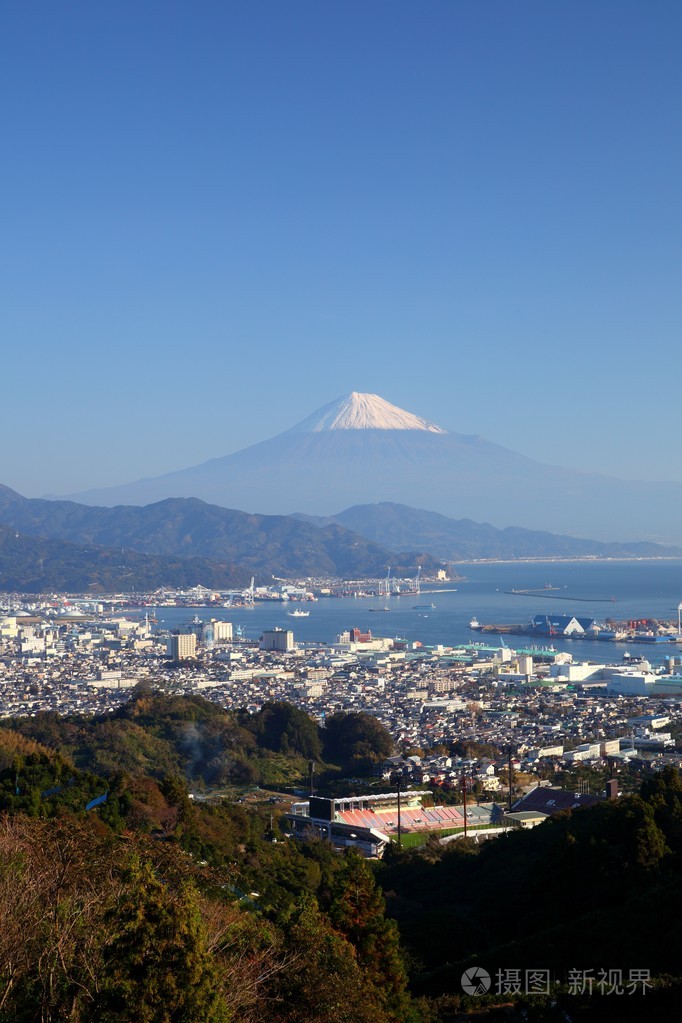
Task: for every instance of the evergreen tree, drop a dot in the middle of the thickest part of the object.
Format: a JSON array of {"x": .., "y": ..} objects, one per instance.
[
  {"x": 357, "y": 910},
  {"x": 356, "y": 740},
  {"x": 322, "y": 981},
  {"x": 282, "y": 727},
  {"x": 158, "y": 967}
]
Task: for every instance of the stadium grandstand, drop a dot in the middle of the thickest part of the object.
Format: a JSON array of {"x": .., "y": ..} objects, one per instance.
[{"x": 370, "y": 822}]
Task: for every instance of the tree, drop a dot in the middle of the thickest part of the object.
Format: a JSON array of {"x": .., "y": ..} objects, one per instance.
[
  {"x": 158, "y": 967},
  {"x": 323, "y": 980},
  {"x": 356, "y": 741},
  {"x": 357, "y": 910},
  {"x": 284, "y": 728},
  {"x": 55, "y": 878}
]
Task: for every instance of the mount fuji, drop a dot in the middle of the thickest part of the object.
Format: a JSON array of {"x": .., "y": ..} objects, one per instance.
[{"x": 363, "y": 450}]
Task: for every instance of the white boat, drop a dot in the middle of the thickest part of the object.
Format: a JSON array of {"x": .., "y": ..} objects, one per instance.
[{"x": 298, "y": 613}]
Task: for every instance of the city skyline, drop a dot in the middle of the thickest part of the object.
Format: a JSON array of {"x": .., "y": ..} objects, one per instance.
[{"x": 217, "y": 221}]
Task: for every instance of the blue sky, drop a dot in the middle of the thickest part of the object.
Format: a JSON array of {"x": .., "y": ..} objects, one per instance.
[{"x": 218, "y": 216}]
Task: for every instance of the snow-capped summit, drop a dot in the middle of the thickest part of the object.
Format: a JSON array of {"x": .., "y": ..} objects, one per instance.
[
  {"x": 363, "y": 450},
  {"x": 363, "y": 412}
]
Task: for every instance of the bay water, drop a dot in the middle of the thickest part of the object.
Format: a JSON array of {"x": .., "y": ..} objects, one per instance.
[{"x": 620, "y": 590}]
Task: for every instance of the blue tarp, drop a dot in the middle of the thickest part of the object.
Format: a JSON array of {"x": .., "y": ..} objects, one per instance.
[
  {"x": 97, "y": 801},
  {"x": 51, "y": 792}
]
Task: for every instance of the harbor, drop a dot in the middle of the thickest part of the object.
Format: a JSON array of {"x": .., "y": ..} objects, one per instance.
[
  {"x": 646, "y": 591},
  {"x": 644, "y": 630}
]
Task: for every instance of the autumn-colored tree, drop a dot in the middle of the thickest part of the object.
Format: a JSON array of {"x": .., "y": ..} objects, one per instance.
[{"x": 55, "y": 878}]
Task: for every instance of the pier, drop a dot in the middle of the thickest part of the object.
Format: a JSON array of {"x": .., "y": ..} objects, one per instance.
[{"x": 559, "y": 596}]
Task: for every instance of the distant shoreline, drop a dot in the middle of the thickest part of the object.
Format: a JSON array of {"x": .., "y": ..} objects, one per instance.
[{"x": 557, "y": 559}]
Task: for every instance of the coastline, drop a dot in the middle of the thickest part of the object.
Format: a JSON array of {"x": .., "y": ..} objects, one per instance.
[{"x": 555, "y": 560}]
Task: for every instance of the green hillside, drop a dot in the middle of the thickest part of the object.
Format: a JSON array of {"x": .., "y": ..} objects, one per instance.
[
  {"x": 185, "y": 528},
  {"x": 29, "y": 564},
  {"x": 123, "y": 899}
]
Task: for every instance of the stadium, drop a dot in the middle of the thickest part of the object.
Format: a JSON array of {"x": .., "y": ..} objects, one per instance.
[{"x": 371, "y": 822}]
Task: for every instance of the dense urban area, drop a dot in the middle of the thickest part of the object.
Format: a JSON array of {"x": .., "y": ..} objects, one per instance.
[
  {"x": 79, "y": 655},
  {"x": 254, "y": 819}
]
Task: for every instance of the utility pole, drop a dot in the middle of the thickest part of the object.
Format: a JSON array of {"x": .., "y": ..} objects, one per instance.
[
  {"x": 400, "y": 830},
  {"x": 397, "y": 780},
  {"x": 464, "y": 798},
  {"x": 311, "y": 770},
  {"x": 509, "y": 765}
]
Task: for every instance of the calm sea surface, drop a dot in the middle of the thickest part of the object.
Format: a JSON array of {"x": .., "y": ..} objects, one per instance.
[{"x": 642, "y": 589}]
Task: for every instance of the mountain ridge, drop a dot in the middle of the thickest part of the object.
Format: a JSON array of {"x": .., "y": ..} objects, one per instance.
[
  {"x": 30, "y": 564},
  {"x": 188, "y": 528},
  {"x": 462, "y": 539},
  {"x": 185, "y": 541}
]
